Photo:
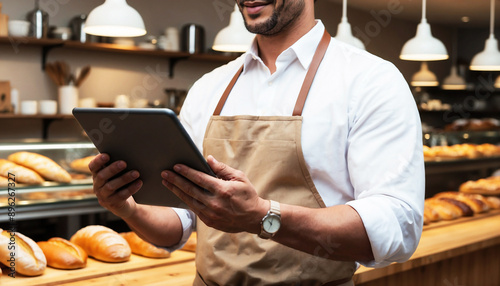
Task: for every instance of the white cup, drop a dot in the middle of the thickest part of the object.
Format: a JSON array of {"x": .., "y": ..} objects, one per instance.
[
  {"x": 87, "y": 102},
  {"x": 48, "y": 107},
  {"x": 68, "y": 99},
  {"x": 29, "y": 107},
  {"x": 122, "y": 101}
]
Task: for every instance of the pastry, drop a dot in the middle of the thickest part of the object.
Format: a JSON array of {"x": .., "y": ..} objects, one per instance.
[
  {"x": 82, "y": 164},
  {"x": 44, "y": 166},
  {"x": 21, "y": 174},
  {"x": 102, "y": 243},
  {"x": 142, "y": 247},
  {"x": 445, "y": 209},
  {"x": 29, "y": 259},
  {"x": 477, "y": 205},
  {"x": 63, "y": 254}
]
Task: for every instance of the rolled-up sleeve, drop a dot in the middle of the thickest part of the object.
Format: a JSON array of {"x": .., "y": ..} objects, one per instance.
[{"x": 385, "y": 163}]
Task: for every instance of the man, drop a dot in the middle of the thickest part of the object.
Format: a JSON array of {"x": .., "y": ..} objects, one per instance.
[{"x": 318, "y": 154}]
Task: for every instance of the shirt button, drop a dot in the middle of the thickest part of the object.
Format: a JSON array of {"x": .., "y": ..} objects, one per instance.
[{"x": 270, "y": 83}]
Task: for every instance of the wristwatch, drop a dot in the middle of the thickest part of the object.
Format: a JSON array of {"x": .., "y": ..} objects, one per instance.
[{"x": 271, "y": 222}]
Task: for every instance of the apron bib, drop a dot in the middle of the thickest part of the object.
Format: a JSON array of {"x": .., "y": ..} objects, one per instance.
[{"x": 268, "y": 150}]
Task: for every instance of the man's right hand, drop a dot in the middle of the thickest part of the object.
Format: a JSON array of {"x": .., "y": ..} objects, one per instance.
[{"x": 114, "y": 193}]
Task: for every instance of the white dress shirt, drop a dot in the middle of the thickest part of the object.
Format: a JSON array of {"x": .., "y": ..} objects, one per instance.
[{"x": 361, "y": 133}]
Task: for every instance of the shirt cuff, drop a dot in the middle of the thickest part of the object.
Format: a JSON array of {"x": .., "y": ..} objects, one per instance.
[{"x": 188, "y": 219}]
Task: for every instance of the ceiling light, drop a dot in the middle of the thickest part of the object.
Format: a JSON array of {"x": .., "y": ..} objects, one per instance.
[
  {"x": 235, "y": 37},
  {"x": 423, "y": 47},
  {"x": 424, "y": 77},
  {"x": 344, "y": 32},
  {"x": 115, "y": 18},
  {"x": 454, "y": 81},
  {"x": 489, "y": 58}
]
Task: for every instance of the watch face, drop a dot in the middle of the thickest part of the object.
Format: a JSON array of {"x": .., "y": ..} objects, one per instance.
[{"x": 271, "y": 224}]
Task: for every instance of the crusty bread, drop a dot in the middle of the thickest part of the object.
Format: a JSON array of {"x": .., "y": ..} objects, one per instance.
[
  {"x": 82, "y": 164},
  {"x": 63, "y": 254},
  {"x": 191, "y": 243},
  {"x": 477, "y": 205},
  {"x": 430, "y": 214},
  {"x": 44, "y": 166},
  {"x": 29, "y": 258},
  {"x": 102, "y": 243},
  {"x": 142, "y": 247},
  {"x": 445, "y": 209},
  {"x": 23, "y": 175},
  {"x": 4, "y": 181},
  {"x": 493, "y": 202}
]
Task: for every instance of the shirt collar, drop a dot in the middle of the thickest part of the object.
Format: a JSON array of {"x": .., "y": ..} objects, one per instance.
[{"x": 304, "y": 48}]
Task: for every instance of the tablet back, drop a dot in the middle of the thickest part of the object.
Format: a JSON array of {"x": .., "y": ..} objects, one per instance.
[{"x": 150, "y": 140}]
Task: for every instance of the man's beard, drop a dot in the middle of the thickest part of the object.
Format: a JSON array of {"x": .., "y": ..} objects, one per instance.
[{"x": 282, "y": 17}]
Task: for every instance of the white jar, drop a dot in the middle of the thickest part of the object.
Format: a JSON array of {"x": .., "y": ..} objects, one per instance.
[{"x": 68, "y": 99}]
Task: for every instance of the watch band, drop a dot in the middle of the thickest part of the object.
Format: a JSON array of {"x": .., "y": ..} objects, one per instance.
[{"x": 275, "y": 211}]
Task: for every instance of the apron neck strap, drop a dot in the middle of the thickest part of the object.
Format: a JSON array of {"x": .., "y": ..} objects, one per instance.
[{"x": 304, "y": 91}]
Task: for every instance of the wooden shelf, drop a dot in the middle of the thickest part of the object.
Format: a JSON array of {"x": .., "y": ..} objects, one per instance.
[
  {"x": 36, "y": 116},
  {"x": 173, "y": 57}
]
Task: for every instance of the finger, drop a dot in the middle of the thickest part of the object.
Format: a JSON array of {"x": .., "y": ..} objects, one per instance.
[
  {"x": 120, "y": 183},
  {"x": 195, "y": 205},
  {"x": 98, "y": 163},
  {"x": 102, "y": 176},
  {"x": 125, "y": 192},
  {"x": 185, "y": 183},
  {"x": 222, "y": 170}
]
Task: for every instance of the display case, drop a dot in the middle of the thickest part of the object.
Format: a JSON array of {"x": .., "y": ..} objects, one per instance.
[{"x": 22, "y": 202}]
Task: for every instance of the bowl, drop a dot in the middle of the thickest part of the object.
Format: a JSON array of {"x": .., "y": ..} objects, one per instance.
[{"x": 19, "y": 28}]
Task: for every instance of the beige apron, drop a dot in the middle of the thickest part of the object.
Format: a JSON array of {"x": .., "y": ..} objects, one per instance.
[{"x": 268, "y": 150}]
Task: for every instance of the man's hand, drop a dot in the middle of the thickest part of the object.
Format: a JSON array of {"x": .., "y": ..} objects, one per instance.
[
  {"x": 114, "y": 194},
  {"x": 228, "y": 203}
]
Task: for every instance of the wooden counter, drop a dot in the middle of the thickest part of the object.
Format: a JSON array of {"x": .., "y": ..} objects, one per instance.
[{"x": 461, "y": 252}]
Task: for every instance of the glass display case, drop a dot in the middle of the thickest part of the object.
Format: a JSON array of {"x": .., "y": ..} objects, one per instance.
[{"x": 49, "y": 199}]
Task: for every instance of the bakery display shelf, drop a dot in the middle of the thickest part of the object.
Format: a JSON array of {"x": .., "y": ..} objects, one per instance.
[
  {"x": 162, "y": 270},
  {"x": 173, "y": 57},
  {"x": 450, "y": 165}
]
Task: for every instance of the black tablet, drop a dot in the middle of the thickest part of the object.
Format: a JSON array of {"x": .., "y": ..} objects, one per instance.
[{"x": 150, "y": 140}]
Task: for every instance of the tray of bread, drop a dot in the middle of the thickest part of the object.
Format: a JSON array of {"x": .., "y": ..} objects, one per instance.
[
  {"x": 92, "y": 252},
  {"x": 453, "y": 207},
  {"x": 460, "y": 151}
]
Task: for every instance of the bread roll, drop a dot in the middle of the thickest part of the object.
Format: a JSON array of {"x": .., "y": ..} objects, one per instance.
[
  {"x": 142, "y": 247},
  {"x": 82, "y": 164},
  {"x": 477, "y": 205},
  {"x": 191, "y": 243},
  {"x": 29, "y": 259},
  {"x": 23, "y": 175},
  {"x": 4, "y": 181},
  {"x": 102, "y": 243},
  {"x": 493, "y": 202},
  {"x": 446, "y": 210},
  {"x": 47, "y": 168},
  {"x": 430, "y": 214},
  {"x": 63, "y": 254}
]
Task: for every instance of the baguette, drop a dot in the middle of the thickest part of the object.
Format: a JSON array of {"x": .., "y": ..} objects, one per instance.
[
  {"x": 493, "y": 202},
  {"x": 63, "y": 254},
  {"x": 102, "y": 243},
  {"x": 446, "y": 210},
  {"x": 82, "y": 165},
  {"x": 4, "y": 181},
  {"x": 23, "y": 175},
  {"x": 142, "y": 247},
  {"x": 47, "y": 168},
  {"x": 477, "y": 205},
  {"x": 28, "y": 260}
]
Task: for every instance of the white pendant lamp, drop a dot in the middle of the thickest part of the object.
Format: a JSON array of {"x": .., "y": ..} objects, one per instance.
[
  {"x": 344, "y": 32},
  {"x": 423, "y": 47},
  {"x": 454, "y": 81},
  {"x": 424, "y": 77},
  {"x": 115, "y": 18},
  {"x": 489, "y": 58},
  {"x": 235, "y": 37}
]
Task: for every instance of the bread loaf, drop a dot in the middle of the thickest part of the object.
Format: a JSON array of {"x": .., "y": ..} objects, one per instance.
[
  {"x": 82, "y": 164},
  {"x": 47, "y": 168},
  {"x": 446, "y": 210},
  {"x": 477, "y": 205},
  {"x": 63, "y": 254},
  {"x": 142, "y": 247},
  {"x": 28, "y": 258},
  {"x": 493, "y": 202},
  {"x": 102, "y": 243},
  {"x": 4, "y": 181},
  {"x": 23, "y": 175}
]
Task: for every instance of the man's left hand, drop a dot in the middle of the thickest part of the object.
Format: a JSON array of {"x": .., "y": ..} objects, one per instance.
[{"x": 228, "y": 203}]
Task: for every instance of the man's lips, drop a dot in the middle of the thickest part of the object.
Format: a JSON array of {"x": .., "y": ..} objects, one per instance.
[{"x": 254, "y": 7}]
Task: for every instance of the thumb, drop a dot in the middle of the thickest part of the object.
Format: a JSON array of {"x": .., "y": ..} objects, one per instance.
[{"x": 220, "y": 169}]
